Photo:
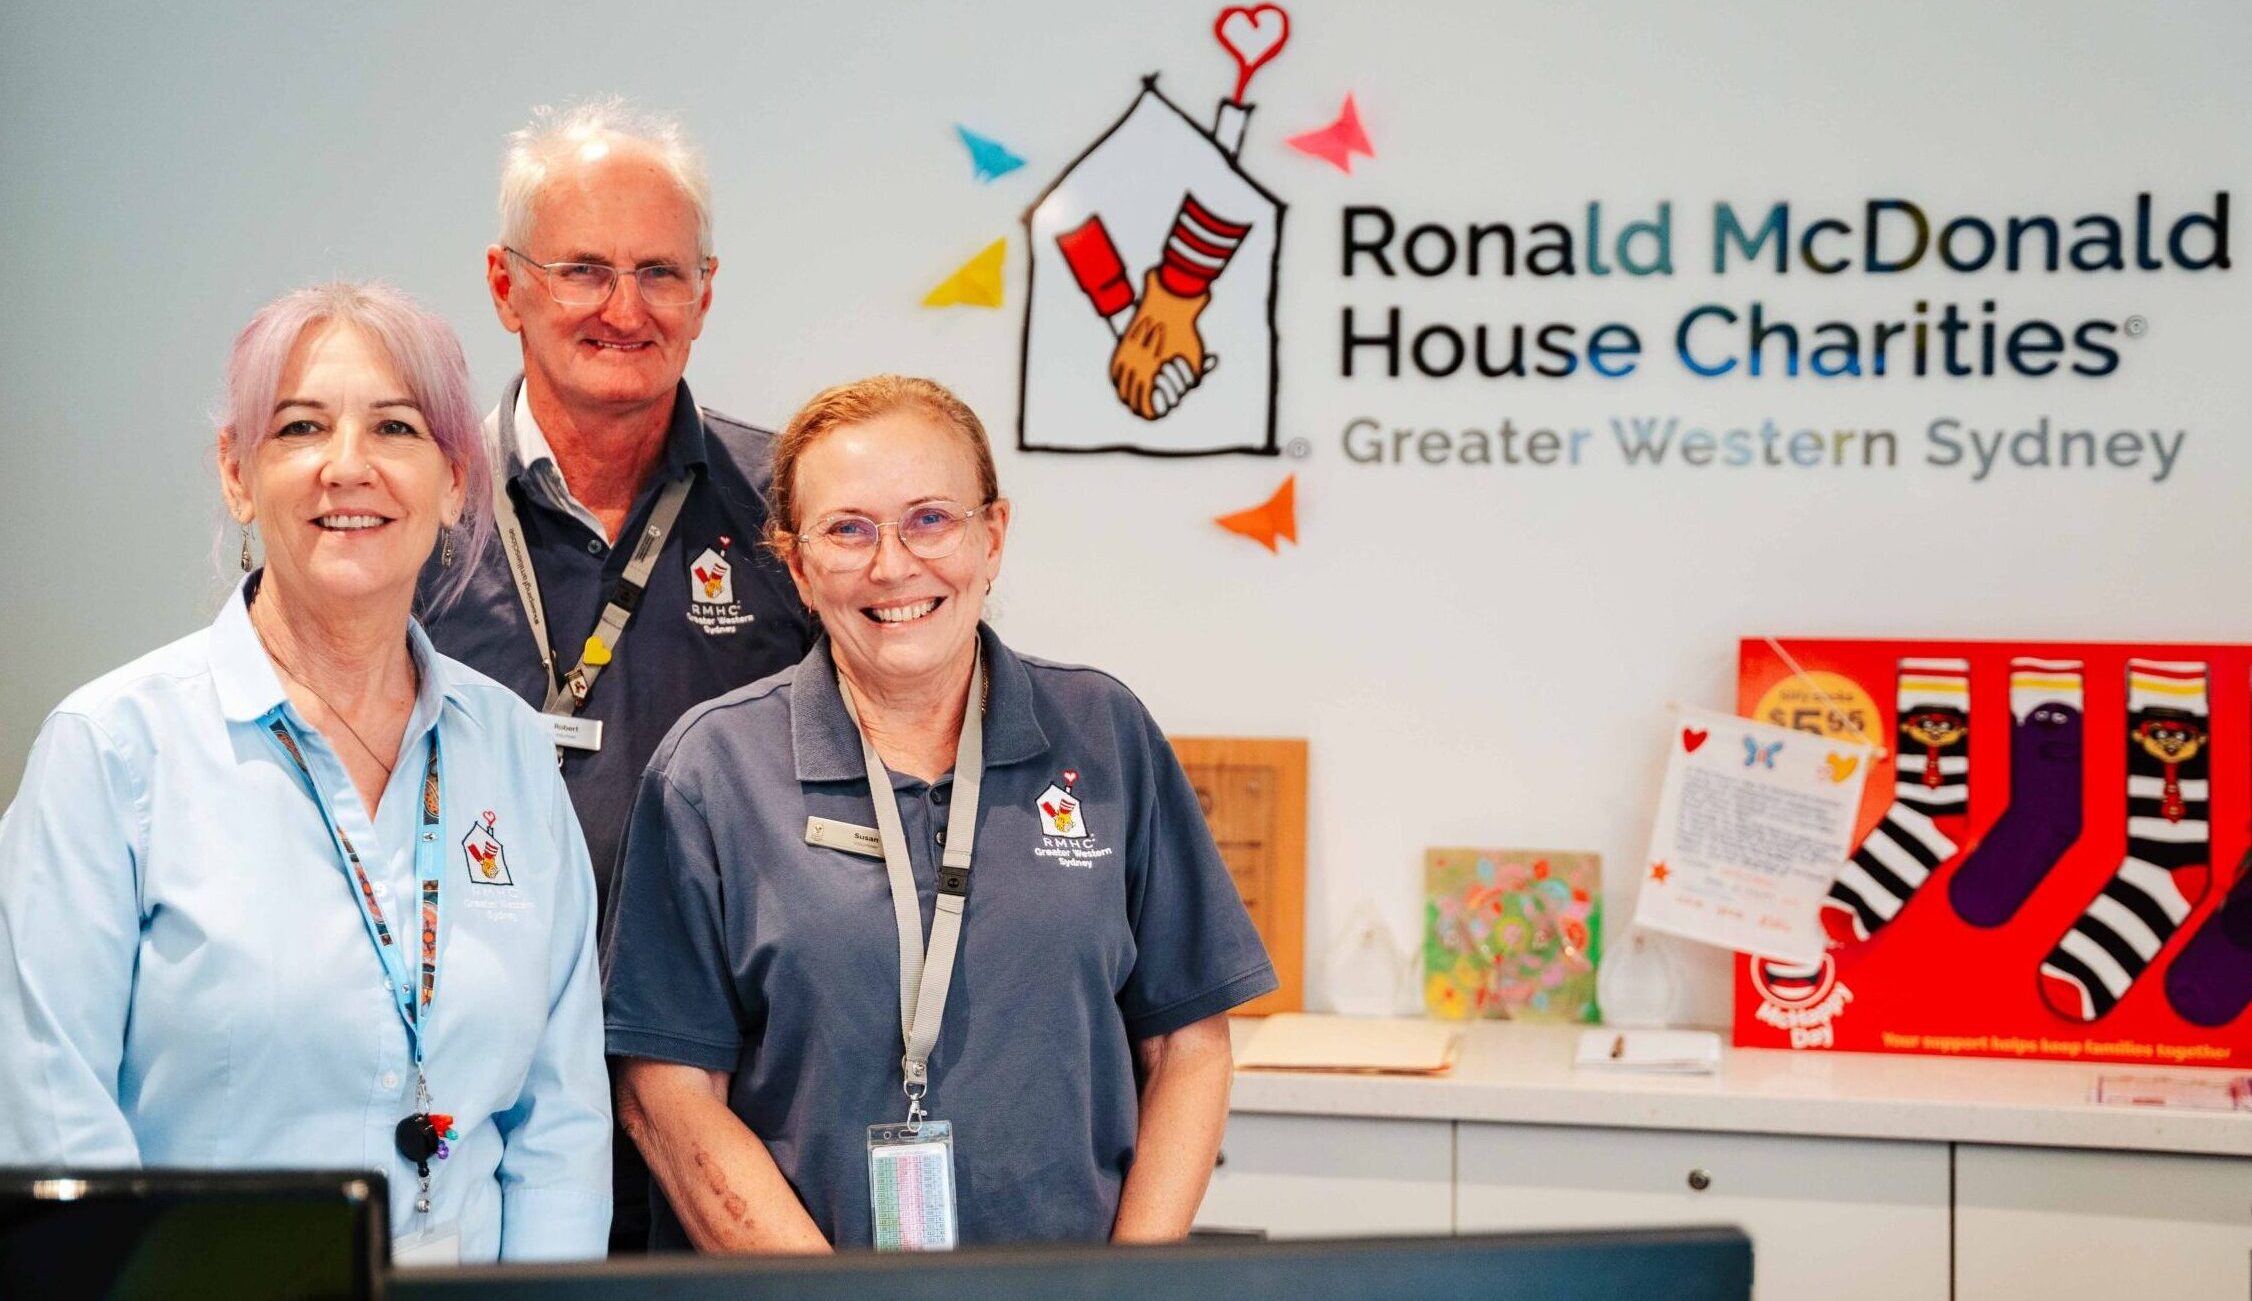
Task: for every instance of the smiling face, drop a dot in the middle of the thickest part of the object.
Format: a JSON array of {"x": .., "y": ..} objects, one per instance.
[
  {"x": 896, "y": 621},
  {"x": 347, "y": 486},
  {"x": 612, "y": 203}
]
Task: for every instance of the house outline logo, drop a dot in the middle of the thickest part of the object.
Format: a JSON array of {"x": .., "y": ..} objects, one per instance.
[{"x": 1184, "y": 214}]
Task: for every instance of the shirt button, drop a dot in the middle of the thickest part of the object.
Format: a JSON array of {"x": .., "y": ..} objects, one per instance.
[
  {"x": 942, "y": 836},
  {"x": 382, "y": 889},
  {"x": 390, "y": 1080},
  {"x": 940, "y": 794},
  {"x": 593, "y": 548}
]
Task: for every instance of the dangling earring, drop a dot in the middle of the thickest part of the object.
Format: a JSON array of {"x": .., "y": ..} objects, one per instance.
[
  {"x": 246, "y": 548},
  {"x": 446, "y": 546}
]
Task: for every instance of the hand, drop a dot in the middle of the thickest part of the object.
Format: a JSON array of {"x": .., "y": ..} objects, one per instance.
[{"x": 1160, "y": 357}]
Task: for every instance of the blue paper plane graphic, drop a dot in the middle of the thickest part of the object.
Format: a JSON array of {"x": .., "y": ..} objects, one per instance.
[{"x": 991, "y": 158}]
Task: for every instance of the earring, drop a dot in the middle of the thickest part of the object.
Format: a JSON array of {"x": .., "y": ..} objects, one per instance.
[
  {"x": 446, "y": 546},
  {"x": 246, "y": 548}
]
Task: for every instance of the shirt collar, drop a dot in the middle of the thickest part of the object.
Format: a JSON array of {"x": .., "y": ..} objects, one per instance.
[
  {"x": 523, "y": 445},
  {"x": 250, "y": 687},
  {"x": 827, "y": 745}
]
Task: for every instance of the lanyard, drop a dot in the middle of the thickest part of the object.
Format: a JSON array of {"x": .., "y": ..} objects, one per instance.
[
  {"x": 923, "y": 985},
  {"x": 568, "y": 695},
  {"x": 411, "y": 997}
]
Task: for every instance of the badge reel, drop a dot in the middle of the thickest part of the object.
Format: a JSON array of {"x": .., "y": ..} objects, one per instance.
[{"x": 911, "y": 1180}]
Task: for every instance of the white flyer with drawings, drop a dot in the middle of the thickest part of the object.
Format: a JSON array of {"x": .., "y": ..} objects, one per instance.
[{"x": 1753, "y": 823}]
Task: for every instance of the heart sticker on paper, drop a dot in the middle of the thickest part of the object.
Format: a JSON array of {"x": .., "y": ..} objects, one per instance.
[
  {"x": 1691, "y": 738},
  {"x": 1253, "y": 35},
  {"x": 1071, "y": 776}
]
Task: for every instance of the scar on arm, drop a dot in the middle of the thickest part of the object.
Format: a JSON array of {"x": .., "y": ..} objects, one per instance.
[{"x": 716, "y": 1180}]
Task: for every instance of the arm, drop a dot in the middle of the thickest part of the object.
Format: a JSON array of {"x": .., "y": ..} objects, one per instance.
[
  {"x": 70, "y": 930},
  {"x": 1184, "y": 1109},
  {"x": 720, "y": 1179},
  {"x": 555, "y": 1141}
]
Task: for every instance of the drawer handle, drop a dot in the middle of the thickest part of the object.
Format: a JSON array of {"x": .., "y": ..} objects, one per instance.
[{"x": 1699, "y": 1180}]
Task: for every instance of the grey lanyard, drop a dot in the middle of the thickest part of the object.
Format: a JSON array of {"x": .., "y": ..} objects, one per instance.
[
  {"x": 923, "y": 984},
  {"x": 568, "y": 694}
]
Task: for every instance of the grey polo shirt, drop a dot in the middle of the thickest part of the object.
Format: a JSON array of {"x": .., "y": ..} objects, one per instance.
[{"x": 1099, "y": 914}]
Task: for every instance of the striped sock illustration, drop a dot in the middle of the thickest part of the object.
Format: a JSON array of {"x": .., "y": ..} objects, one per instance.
[
  {"x": 2043, "y": 819},
  {"x": 1198, "y": 249},
  {"x": 2168, "y": 866},
  {"x": 1931, "y": 803}
]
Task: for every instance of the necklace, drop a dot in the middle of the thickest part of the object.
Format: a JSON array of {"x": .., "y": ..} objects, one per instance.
[{"x": 333, "y": 711}]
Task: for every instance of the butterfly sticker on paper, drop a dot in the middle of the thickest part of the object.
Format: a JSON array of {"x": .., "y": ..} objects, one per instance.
[{"x": 1757, "y": 755}]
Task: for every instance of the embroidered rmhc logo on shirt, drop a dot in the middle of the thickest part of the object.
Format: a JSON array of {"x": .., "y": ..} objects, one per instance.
[
  {"x": 1059, "y": 810},
  {"x": 711, "y": 592},
  {"x": 487, "y": 859}
]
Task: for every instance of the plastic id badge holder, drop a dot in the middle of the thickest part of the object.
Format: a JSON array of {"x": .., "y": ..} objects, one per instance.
[{"x": 911, "y": 1185}]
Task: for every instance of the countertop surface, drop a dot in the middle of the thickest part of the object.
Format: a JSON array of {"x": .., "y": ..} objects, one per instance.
[{"x": 1520, "y": 1073}]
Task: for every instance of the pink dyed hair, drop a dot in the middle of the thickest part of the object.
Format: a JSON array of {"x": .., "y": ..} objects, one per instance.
[{"x": 428, "y": 358}]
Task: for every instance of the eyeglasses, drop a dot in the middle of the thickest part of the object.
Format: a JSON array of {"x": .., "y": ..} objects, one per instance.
[
  {"x": 588, "y": 284},
  {"x": 843, "y": 541}
]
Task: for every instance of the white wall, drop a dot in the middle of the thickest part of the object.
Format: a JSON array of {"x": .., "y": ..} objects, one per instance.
[{"x": 1478, "y": 655}]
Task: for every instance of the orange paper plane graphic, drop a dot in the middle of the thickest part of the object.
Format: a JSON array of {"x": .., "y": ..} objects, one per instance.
[
  {"x": 1277, "y": 517},
  {"x": 1336, "y": 143},
  {"x": 976, "y": 283}
]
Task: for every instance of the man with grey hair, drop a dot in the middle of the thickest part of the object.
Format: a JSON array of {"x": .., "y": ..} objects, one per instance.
[{"x": 626, "y": 581}]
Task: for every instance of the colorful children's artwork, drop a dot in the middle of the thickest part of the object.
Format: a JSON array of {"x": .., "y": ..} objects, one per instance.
[
  {"x": 1511, "y": 933},
  {"x": 2051, "y": 858}
]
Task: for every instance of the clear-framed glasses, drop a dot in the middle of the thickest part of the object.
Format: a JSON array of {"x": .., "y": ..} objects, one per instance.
[
  {"x": 843, "y": 541},
  {"x": 588, "y": 284}
]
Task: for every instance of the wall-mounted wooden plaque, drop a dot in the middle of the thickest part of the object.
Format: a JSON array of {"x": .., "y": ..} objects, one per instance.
[{"x": 1254, "y": 796}]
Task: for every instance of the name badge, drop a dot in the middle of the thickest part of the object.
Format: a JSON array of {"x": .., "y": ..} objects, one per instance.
[
  {"x": 851, "y": 839},
  {"x": 573, "y": 733}
]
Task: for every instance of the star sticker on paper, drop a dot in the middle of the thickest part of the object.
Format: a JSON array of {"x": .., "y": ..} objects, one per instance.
[{"x": 1659, "y": 872}]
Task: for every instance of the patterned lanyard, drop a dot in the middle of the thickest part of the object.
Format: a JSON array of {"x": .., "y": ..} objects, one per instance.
[{"x": 413, "y": 1007}]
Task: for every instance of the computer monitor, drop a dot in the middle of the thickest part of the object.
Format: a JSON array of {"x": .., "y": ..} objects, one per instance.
[
  {"x": 124, "y": 1235},
  {"x": 1689, "y": 1264}
]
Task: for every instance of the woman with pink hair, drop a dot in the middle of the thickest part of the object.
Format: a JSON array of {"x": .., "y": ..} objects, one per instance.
[{"x": 296, "y": 890}]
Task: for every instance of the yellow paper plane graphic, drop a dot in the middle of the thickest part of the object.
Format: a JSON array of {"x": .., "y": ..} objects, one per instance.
[
  {"x": 976, "y": 283},
  {"x": 1273, "y": 518}
]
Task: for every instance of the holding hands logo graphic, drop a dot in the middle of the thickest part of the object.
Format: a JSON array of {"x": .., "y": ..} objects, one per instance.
[{"x": 1160, "y": 355}]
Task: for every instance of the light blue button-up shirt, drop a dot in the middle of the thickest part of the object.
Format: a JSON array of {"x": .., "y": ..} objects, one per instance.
[{"x": 186, "y": 981}]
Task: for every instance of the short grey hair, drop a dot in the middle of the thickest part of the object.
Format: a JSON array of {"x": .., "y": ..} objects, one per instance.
[{"x": 553, "y": 133}]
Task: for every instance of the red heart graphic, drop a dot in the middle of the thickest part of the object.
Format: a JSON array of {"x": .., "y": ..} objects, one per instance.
[
  {"x": 488, "y": 817},
  {"x": 1253, "y": 35},
  {"x": 1691, "y": 738},
  {"x": 1071, "y": 776}
]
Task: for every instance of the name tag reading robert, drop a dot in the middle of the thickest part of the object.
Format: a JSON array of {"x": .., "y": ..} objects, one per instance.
[
  {"x": 575, "y": 733},
  {"x": 851, "y": 839}
]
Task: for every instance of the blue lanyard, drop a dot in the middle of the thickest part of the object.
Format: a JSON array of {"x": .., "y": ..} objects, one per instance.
[{"x": 412, "y": 997}]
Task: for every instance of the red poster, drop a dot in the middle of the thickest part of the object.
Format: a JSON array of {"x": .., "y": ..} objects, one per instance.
[{"x": 2050, "y": 860}]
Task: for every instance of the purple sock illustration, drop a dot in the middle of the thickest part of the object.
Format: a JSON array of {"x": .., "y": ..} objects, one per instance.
[
  {"x": 2043, "y": 817},
  {"x": 2210, "y": 980}
]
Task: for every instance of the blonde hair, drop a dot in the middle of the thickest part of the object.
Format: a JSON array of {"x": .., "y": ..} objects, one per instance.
[{"x": 857, "y": 403}]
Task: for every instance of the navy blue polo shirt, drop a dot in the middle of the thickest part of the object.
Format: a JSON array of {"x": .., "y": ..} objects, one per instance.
[
  {"x": 1099, "y": 913},
  {"x": 719, "y": 610}
]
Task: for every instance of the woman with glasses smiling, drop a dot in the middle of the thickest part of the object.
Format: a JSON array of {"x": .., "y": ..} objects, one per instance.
[
  {"x": 297, "y": 890},
  {"x": 923, "y": 941}
]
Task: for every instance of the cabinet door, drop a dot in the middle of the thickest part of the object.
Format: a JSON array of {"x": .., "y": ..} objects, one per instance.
[
  {"x": 1833, "y": 1218},
  {"x": 2114, "y": 1226},
  {"x": 1332, "y": 1177}
]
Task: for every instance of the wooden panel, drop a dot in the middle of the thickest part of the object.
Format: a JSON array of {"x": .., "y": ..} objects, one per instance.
[
  {"x": 2110, "y": 1226},
  {"x": 1253, "y": 792},
  {"x": 1830, "y": 1218},
  {"x": 1332, "y": 1177}
]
